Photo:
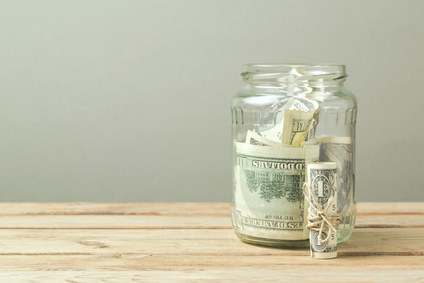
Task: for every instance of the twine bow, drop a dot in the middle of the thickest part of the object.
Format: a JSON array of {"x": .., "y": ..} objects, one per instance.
[{"x": 318, "y": 220}]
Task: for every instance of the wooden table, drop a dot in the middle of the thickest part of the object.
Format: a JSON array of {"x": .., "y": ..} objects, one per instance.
[{"x": 155, "y": 242}]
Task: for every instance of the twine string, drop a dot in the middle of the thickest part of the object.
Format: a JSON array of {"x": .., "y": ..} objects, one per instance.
[{"x": 321, "y": 219}]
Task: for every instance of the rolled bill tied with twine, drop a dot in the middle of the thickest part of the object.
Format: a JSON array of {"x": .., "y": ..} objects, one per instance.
[{"x": 320, "y": 191}]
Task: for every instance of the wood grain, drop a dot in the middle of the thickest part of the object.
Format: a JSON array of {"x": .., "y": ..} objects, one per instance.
[
  {"x": 187, "y": 208},
  {"x": 92, "y": 208},
  {"x": 364, "y": 242},
  {"x": 213, "y": 275},
  {"x": 174, "y": 221},
  {"x": 192, "y": 242},
  {"x": 205, "y": 262}
]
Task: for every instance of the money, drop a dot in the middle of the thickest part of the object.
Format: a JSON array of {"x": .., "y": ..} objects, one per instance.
[
  {"x": 310, "y": 142},
  {"x": 255, "y": 139},
  {"x": 275, "y": 116},
  {"x": 339, "y": 150},
  {"x": 269, "y": 201},
  {"x": 298, "y": 105},
  {"x": 322, "y": 178},
  {"x": 309, "y": 153},
  {"x": 296, "y": 126}
]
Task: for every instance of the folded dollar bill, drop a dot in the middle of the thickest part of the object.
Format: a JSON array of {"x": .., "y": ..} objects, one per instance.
[
  {"x": 296, "y": 126},
  {"x": 255, "y": 139},
  {"x": 275, "y": 116}
]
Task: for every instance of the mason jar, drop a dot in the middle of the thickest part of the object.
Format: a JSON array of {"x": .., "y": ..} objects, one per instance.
[{"x": 284, "y": 117}]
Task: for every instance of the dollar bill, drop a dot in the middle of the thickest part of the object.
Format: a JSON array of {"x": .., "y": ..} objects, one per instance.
[
  {"x": 309, "y": 154},
  {"x": 255, "y": 139},
  {"x": 273, "y": 120},
  {"x": 299, "y": 105},
  {"x": 322, "y": 178},
  {"x": 269, "y": 201},
  {"x": 339, "y": 150},
  {"x": 275, "y": 116},
  {"x": 310, "y": 142},
  {"x": 296, "y": 126}
]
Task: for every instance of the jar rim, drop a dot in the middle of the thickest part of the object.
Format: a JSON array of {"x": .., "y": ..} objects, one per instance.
[
  {"x": 313, "y": 68},
  {"x": 293, "y": 72}
]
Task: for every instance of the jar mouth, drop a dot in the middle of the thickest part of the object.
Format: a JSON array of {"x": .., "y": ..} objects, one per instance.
[{"x": 297, "y": 73}]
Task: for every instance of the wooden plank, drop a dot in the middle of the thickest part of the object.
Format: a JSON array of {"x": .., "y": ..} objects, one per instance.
[
  {"x": 390, "y": 208},
  {"x": 215, "y": 275},
  {"x": 173, "y": 222},
  {"x": 389, "y": 221},
  {"x": 190, "y": 208},
  {"x": 249, "y": 264},
  {"x": 194, "y": 242},
  {"x": 93, "y": 208},
  {"x": 113, "y": 222},
  {"x": 364, "y": 242},
  {"x": 389, "y": 241}
]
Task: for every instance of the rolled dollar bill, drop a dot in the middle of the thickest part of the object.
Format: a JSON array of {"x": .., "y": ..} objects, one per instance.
[{"x": 322, "y": 194}]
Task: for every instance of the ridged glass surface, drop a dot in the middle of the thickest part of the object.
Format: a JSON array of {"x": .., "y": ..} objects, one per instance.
[{"x": 264, "y": 201}]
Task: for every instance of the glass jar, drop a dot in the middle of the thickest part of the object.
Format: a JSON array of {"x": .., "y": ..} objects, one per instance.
[{"x": 284, "y": 117}]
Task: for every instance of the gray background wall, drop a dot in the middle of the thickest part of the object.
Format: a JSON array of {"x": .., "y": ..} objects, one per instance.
[{"x": 129, "y": 100}]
